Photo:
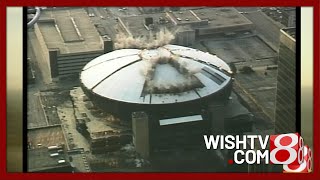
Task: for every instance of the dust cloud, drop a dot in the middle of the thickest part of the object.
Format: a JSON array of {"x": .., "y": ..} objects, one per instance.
[
  {"x": 157, "y": 41},
  {"x": 161, "y": 38},
  {"x": 190, "y": 81}
]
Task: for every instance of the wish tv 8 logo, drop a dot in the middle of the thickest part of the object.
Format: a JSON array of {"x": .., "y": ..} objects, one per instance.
[
  {"x": 287, "y": 150},
  {"x": 290, "y": 151}
]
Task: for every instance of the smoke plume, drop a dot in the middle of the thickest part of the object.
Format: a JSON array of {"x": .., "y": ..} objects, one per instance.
[
  {"x": 190, "y": 81},
  {"x": 161, "y": 38},
  {"x": 164, "y": 56}
]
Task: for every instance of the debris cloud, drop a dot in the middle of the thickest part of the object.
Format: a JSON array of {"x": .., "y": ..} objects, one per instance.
[
  {"x": 163, "y": 56},
  {"x": 161, "y": 38},
  {"x": 151, "y": 86}
]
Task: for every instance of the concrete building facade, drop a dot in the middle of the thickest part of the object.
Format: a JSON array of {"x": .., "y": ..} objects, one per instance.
[
  {"x": 68, "y": 40},
  {"x": 140, "y": 129},
  {"x": 285, "y": 111}
]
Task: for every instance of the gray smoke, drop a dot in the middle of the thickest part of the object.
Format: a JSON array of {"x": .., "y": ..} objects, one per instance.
[
  {"x": 189, "y": 83},
  {"x": 161, "y": 38},
  {"x": 157, "y": 41}
]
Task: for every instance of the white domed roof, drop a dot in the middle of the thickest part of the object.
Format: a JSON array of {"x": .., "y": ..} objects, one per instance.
[{"x": 168, "y": 74}]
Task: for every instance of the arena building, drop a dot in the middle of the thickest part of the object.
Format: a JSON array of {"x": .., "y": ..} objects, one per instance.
[{"x": 169, "y": 80}]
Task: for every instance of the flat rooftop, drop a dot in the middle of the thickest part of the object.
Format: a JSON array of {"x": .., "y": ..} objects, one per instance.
[
  {"x": 39, "y": 159},
  {"x": 215, "y": 17},
  {"x": 241, "y": 49},
  {"x": 69, "y": 30},
  {"x": 186, "y": 16},
  {"x": 260, "y": 86},
  {"x": 46, "y": 136},
  {"x": 136, "y": 24},
  {"x": 197, "y": 18}
]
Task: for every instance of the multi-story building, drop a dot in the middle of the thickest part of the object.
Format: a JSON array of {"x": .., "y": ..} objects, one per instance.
[
  {"x": 285, "y": 111},
  {"x": 68, "y": 40}
]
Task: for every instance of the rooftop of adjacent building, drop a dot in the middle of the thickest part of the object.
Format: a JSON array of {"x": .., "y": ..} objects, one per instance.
[
  {"x": 46, "y": 136},
  {"x": 216, "y": 17},
  {"x": 200, "y": 18},
  {"x": 69, "y": 30},
  {"x": 258, "y": 88},
  {"x": 135, "y": 25}
]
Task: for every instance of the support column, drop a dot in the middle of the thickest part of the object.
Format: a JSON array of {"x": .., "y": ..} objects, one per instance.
[{"x": 140, "y": 128}]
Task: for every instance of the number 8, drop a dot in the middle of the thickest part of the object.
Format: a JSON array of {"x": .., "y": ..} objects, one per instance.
[
  {"x": 288, "y": 148},
  {"x": 306, "y": 165},
  {"x": 309, "y": 162}
]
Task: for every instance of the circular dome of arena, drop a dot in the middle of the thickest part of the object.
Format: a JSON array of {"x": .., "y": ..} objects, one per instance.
[{"x": 167, "y": 79}]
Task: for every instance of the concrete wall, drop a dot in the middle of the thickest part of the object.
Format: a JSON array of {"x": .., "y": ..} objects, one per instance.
[
  {"x": 217, "y": 110},
  {"x": 287, "y": 41},
  {"x": 44, "y": 60},
  {"x": 185, "y": 38},
  {"x": 71, "y": 64},
  {"x": 140, "y": 128}
]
